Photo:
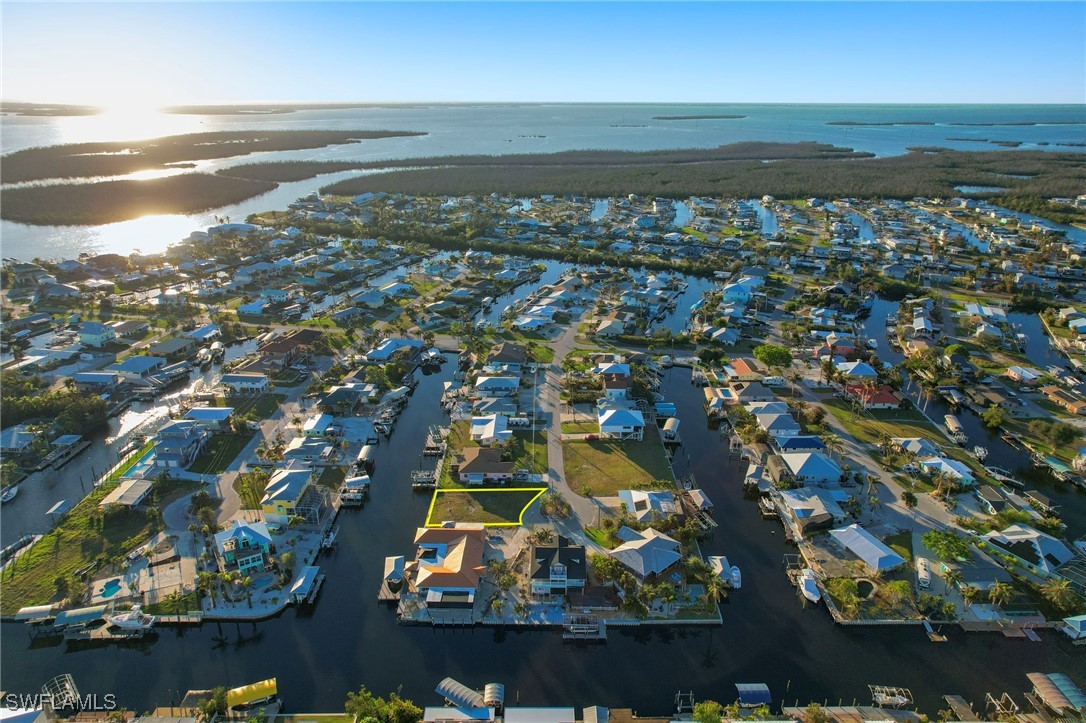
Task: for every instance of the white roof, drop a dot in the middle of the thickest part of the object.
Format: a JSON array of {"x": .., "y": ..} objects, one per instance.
[
  {"x": 617, "y": 417},
  {"x": 867, "y": 547},
  {"x": 540, "y": 715},
  {"x": 813, "y": 465}
]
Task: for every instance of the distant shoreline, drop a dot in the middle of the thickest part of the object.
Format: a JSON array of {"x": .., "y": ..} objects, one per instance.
[{"x": 722, "y": 116}]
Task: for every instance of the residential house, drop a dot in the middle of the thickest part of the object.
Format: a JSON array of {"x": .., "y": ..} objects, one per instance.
[
  {"x": 178, "y": 443},
  {"x": 804, "y": 468},
  {"x": 876, "y": 556},
  {"x": 136, "y": 368},
  {"x": 646, "y": 554},
  {"x": 746, "y": 392},
  {"x": 16, "y": 439},
  {"x": 291, "y": 493},
  {"x": 813, "y": 509},
  {"x": 1069, "y": 401},
  {"x": 644, "y": 505},
  {"x": 479, "y": 465},
  {"x": 779, "y": 426},
  {"x": 1038, "y": 552},
  {"x": 244, "y": 547},
  {"x": 308, "y": 450},
  {"x": 96, "y": 334},
  {"x": 245, "y": 382},
  {"x": 557, "y": 567},
  {"x": 619, "y": 422},
  {"x": 957, "y": 471},
  {"x": 490, "y": 429},
  {"x": 215, "y": 419},
  {"x": 880, "y": 397},
  {"x": 497, "y": 386},
  {"x": 449, "y": 564},
  {"x": 96, "y": 381},
  {"x": 744, "y": 370}
]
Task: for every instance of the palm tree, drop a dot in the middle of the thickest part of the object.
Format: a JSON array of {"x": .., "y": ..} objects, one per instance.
[
  {"x": 999, "y": 593},
  {"x": 875, "y": 503},
  {"x": 247, "y": 585},
  {"x": 970, "y": 594},
  {"x": 1058, "y": 592},
  {"x": 715, "y": 589},
  {"x": 952, "y": 577},
  {"x": 834, "y": 444}
]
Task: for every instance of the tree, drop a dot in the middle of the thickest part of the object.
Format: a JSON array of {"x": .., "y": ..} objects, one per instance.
[
  {"x": 993, "y": 417},
  {"x": 999, "y": 593},
  {"x": 814, "y": 714},
  {"x": 708, "y": 711},
  {"x": 952, "y": 578},
  {"x": 215, "y": 705},
  {"x": 948, "y": 545},
  {"x": 909, "y": 500},
  {"x": 774, "y": 356},
  {"x": 1058, "y": 592},
  {"x": 834, "y": 444},
  {"x": 715, "y": 589},
  {"x": 970, "y": 594}
]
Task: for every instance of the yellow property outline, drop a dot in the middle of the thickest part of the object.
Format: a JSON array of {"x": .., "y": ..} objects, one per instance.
[{"x": 518, "y": 523}]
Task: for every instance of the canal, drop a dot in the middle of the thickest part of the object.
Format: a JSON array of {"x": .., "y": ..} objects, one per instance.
[{"x": 347, "y": 639}]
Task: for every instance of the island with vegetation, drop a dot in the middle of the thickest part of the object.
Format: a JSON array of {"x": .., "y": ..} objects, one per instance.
[
  {"x": 46, "y": 110},
  {"x": 709, "y": 116}
]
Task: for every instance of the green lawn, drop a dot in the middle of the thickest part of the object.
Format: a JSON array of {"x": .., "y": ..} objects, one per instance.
[
  {"x": 869, "y": 427},
  {"x": 261, "y": 405},
  {"x": 332, "y": 477},
  {"x": 491, "y": 507},
  {"x": 220, "y": 451},
  {"x": 902, "y": 544},
  {"x": 526, "y": 449},
  {"x": 607, "y": 466},
  {"x": 250, "y": 488},
  {"x": 580, "y": 428},
  {"x": 81, "y": 536}
]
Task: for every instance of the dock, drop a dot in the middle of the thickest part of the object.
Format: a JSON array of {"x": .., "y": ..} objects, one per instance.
[
  {"x": 584, "y": 627},
  {"x": 932, "y": 635},
  {"x": 386, "y": 594},
  {"x": 105, "y": 633}
]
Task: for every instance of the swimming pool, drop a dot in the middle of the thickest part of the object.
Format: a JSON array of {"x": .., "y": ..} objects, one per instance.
[
  {"x": 110, "y": 588},
  {"x": 142, "y": 465}
]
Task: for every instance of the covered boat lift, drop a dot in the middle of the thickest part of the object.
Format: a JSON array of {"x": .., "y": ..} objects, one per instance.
[
  {"x": 753, "y": 695},
  {"x": 253, "y": 694}
]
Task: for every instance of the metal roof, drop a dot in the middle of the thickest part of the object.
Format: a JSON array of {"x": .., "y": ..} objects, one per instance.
[{"x": 753, "y": 694}]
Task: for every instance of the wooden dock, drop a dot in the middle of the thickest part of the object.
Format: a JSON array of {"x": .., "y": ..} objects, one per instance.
[
  {"x": 385, "y": 594},
  {"x": 105, "y": 633},
  {"x": 190, "y": 618}
]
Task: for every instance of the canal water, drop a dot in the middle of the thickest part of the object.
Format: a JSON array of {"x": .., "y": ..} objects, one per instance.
[
  {"x": 347, "y": 639},
  {"x": 554, "y": 271}
]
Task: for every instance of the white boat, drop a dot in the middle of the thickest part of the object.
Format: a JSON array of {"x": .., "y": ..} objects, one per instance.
[
  {"x": 329, "y": 540},
  {"x": 808, "y": 585},
  {"x": 9, "y": 494},
  {"x": 872, "y": 344},
  {"x": 737, "y": 577},
  {"x": 134, "y": 619},
  {"x": 980, "y": 452}
]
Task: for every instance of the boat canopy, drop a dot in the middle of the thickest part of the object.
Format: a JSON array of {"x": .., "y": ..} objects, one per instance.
[
  {"x": 459, "y": 694},
  {"x": 304, "y": 583},
  {"x": 248, "y": 693},
  {"x": 394, "y": 566},
  {"x": 1049, "y": 693},
  {"x": 700, "y": 500},
  {"x": 35, "y": 613},
  {"x": 753, "y": 694},
  {"x": 80, "y": 616},
  {"x": 1071, "y": 691}
]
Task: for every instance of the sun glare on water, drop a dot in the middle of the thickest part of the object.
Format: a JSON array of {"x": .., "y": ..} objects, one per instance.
[{"x": 128, "y": 118}]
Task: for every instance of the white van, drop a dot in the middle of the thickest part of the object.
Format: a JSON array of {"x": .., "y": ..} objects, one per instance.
[{"x": 923, "y": 573}]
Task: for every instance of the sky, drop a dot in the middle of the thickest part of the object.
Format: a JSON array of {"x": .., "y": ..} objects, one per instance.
[{"x": 147, "y": 54}]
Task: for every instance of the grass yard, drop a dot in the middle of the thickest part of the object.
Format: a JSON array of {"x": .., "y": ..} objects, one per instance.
[
  {"x": 261, "y": 405},
  {"x": 220, "y": 451},
  {"x": 580, "y": 428},
  {"x": 82, "y": 536},
  {"x": 496, "y": 508},
  {"x": 607, "y": 466},
  {"x": 869, "y": 427},
  {"x": 250, "y": 488},
  {"x": 902, "y": 544},
  {"x": 332, "y": 477}
]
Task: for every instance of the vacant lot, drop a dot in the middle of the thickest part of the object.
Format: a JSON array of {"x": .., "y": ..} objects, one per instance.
[
  {"x": 491, "y": 507},
  {"x": 606, "y": 466},
  {"x": 220, "y": 451}
]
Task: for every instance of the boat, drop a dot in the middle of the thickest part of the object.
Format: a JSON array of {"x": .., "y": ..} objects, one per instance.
[
  {"x": 134, "y": 619},
  {"x": 9, "y": 494},
  {"x": 808, "y": 585},
  {"x": 737, "y": 577},
  {"x": 890, "y": 697},
  {"x": 980, "y": 452},
  {"x": 872, "y": 344},
  {"x": 329, "y": 540}
]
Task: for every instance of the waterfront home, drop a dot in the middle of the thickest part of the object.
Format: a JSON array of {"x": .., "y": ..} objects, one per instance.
[
  {"x": 876, "y": 556},
  {"x": 804, "y": 468},
  {"x": 215, "y": 419},
  {"x": 510, "y": 358},
  {"x": 742, "y": 290},
  {"x": 746, "y": 392},
  {"x": 308, "y": 450},
  {"x": 813, "y": 509},
  {"x": 645, "y": 505},
  {"x": 245, "y": 382},
  {"x": 1069, "y": 401},
  {"x": 136, "y": 368},
  {"x": 449, "y": 564},
  {"x": 317, "y": 425},
  {"x": 557, "y": 567},
  {"x": 495, "y": 405},
  {"x": 646, "y": 553},
  {"x": 880, "y": 397},
  {"x": 478, "y": 465},
  {"x": 343, "y": 399},
  {"x": 490, "y": 429},
  {"x": 779, "y": 426},
  {"x": 717, "y": 399},
  {"x": 800, "y": 443},
  {"x": 96, "y": 381},
  {"x": 1038, "y": 552},
  {"x": 992, "y": 500},
  {"x": 1024, "y": 375},
  {"x": 96, "y": 334},
  {"x": 857, "y": 370},
  {"x": 17, "y": 439},
  {"x": 291, "y": 493},
  {"x": 620, "y": 422},
  {"x": 129, "y": 493},
  {"x": 244, "y": 546},
  {"x": 392, "y": 347},
  {"x": 776, "y": 407},
  {"x": 957, "y": 471},
  {"x": 497, "y": 386},
  {"x": 916, "y": 446},
  {"x": 744, "y": 370},
  {"x": 172, "y": 348},
  {"x": 177, "y": 444}
]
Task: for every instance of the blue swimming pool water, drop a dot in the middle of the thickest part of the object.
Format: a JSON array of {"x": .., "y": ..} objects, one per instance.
[
  {"x": 140, "y": 468},
  {"x": 110, "y": 588}
]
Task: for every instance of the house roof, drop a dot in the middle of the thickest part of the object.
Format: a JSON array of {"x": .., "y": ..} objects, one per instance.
[
  {"x": 814, "y": 465},
  {"x": 1032, "y": 546},
  {"x": 209, "y": 414},
  {"x": 857, "y": 369},
  {"x": 459, "y": 559},
  {"x": 483, "y": 460},
  {"x": 492, "y": 426},
  {"x": 508, "y": 353},
  {"x": 255, "y": 532},
  {"x": 620, "y": 417},
  {"x": 559, "y": 551},
  {"x": 867, "y": 547},
  {"x": 285, "y": 485},
  {"x": 646, "y": 553},
  {"x": 643, "y": 503}
]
